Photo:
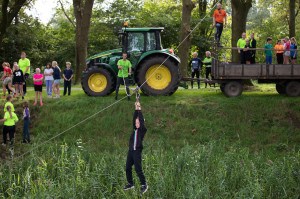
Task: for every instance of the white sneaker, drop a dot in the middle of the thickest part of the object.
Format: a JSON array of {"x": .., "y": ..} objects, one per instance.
[{"x": 3, "y": 144}]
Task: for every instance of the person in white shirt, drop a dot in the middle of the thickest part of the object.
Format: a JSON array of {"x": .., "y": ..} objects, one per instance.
[{"x": 49, "y": 79}]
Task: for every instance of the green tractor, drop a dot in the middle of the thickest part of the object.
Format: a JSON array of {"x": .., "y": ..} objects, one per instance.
[{"x": 146, "y": 54}]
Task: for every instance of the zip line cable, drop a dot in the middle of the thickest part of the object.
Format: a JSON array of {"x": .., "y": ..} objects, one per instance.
[{"x": 136, "y": 90}]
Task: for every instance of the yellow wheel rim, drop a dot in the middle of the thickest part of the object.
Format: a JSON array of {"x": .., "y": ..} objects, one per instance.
[
  {"x": 97, "y": 82},
  {"x": 158, "y": 78}
]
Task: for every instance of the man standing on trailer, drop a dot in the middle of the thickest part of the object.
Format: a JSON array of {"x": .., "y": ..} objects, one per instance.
[
  {"x": 218, "y": 20},
  {"x": 241, "y": 44},
  {"x": 252, "y": 45}
]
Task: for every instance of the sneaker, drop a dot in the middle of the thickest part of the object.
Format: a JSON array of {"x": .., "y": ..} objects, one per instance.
[
  {"x": 3, "y": 96},
  {"x": 128, "y": 186},
  {"x": 25, "y": 94},
  {"x": 22, "y": 98},
  {"x": 41, "y": 104},
  {"x": 144, "y": 189},
  {"x": 3, "y": 144},
  {"x": 34, "y": 103}
]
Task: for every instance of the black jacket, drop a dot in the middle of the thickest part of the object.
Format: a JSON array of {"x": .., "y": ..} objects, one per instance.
[
  {"x": 253, "y": 45},
  {"x": 137, "y": 136}
]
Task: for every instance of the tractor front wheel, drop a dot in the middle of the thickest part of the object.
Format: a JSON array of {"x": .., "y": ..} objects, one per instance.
[
  {"x": 158, "y": 76},
  {"x": 97, "y": 81}
]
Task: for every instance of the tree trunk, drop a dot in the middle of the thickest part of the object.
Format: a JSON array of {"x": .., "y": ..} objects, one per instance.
[
  {"x": 8, "y": 13},
  {"x": 292, "y": 17},
  {"x": 240, "y": 9},
  {"x": 202, "y": 12},
  {"x": 183, "y": 50},
  {"x": 83, "y": 13}
]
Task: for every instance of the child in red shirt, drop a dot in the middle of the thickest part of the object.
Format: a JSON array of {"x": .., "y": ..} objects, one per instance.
[{"x": 6, "y": 78}]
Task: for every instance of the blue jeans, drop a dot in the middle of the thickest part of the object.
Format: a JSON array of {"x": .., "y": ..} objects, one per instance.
[
  {"x": 26, "y": 135},
  {"x": 49, "y": 86},
  {"x": 268, "y": 59}
]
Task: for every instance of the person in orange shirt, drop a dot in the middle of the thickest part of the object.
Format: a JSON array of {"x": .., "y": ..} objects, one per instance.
[
  {"x": 218, "y": 21},
  {"x": 279, "y": 54}
]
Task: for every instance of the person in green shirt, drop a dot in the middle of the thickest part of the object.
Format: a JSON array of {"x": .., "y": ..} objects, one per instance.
[
  {"x": 24, "y": 65},
  {"x": 207, "y": 63},
  {"x": 241, "y": 44},
  {"x": 10, "y": 119},
  {"x": 124, "y": 66},
  {"x": 268, "y": 52},
  {"x": 9, "y": 100}
]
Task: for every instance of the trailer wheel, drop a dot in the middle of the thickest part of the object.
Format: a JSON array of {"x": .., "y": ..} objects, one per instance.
[
  {"x": 233, "y": 89},
  {"x": 280, "y": 89},
  {"x": 292, "y": 89}
]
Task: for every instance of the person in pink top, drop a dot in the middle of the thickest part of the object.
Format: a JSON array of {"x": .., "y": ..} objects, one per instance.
[
  {"x": 287, "y": 54},
  {"x": 38, "y": 85}
]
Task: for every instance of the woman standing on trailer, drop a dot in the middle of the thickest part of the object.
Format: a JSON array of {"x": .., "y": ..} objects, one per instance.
[
  {"x": 293, "y": 53},
  {"x": 287, "y": 46}
]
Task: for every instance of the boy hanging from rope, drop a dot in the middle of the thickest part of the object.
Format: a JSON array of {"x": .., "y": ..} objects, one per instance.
[{"x": 134, "y": 156}]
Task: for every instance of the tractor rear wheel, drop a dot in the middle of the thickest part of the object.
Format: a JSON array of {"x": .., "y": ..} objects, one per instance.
[
  {"x": 161, "y": 76},
  {"x": 97, "y": 81}
]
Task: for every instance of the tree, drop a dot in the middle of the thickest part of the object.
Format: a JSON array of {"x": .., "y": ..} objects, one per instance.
[
  {"x": 240, "y": 9},
  {"x": 9, "y": 10},
  {"x": 292, "y": 18},
  {"x": 183, "y": 51},
  {"x": 83, "y": 13}
]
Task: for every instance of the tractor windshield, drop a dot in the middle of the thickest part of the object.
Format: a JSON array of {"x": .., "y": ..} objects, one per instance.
[{"x": 138, "y": 40}]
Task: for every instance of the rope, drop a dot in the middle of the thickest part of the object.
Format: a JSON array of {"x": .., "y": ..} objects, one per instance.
[{"x": 136, "y": 91}]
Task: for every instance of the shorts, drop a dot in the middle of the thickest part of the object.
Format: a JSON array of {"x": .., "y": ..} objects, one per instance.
[
  {"x": 7, "y": 81},
  {"x": 56, "y": 81},
  {"x": 287, "y": 53},
  {"x": 38, "y": 88},
  {"x": 19, "y": 83}
]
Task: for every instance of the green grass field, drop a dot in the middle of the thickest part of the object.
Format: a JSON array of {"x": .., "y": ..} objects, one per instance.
[{"x": 199, "y": 144}]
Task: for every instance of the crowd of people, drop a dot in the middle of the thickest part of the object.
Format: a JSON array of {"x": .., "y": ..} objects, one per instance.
[{"x": 17, "y": 77}]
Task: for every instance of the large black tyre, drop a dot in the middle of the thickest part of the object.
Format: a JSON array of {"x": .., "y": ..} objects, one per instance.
[
  {"x": 233, "y": 89},
  {"x": 163, "y": 81},
  {"x": 280, "y": 89},
  {"x": 292, "y": 89},
  {"x": 98, "y": 81}
]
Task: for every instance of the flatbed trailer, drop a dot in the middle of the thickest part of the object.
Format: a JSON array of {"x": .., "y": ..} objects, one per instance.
[{"x": 230, "y": 76}]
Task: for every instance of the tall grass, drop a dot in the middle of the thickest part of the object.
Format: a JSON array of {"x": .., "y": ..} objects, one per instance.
[{"x": 199, "y": 144}]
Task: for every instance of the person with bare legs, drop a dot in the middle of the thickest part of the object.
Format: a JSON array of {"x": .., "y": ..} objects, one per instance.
[{"x": 56, "y": 77}]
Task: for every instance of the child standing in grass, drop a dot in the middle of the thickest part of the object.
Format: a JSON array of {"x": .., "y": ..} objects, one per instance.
[
  {"x": 7, "y": 81},
  {"x": 268, "y": 52},
  {"x": 10, "y": 119},
  {"x": 49, "y": 79},
  {"x": 134, "y": 156},
  {"x": 26, "y": 118},
  {"x": 38, "y": 85},
  {"x": 68, "y": 75},
  {"x": 18, "y": 80},
  {"x": 56, "y": 77}
]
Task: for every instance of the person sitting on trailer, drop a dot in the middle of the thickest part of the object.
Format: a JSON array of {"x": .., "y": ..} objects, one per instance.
[
  {"x": 241, "y": 44},
  {"x": 252, "y": 45},
  {"x": 196, "y": 66},
  {"x": 207, "y": 63},
  {"x": 247, "y": 52}
]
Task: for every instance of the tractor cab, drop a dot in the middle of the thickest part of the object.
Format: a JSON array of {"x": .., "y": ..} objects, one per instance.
[{"x": 137, "y": 41}]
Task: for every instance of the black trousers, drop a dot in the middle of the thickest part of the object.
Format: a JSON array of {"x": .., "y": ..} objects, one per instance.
[
  {"x": 252, "y": 60},
  {"x": 25, "y": 79},
  {"x": 134, "y": 158},
  {"x": 280, "y": 58},
  {"x": 67, "y": 86},
  {"x": 197, "y": 73},
  {"x": 208, "y": 72},
  {"x": 219, "y": 30},
  {"x": 11, "y": 131},
  {"x": 242, "y": 57},
  {"x": 119, "y": 81}
]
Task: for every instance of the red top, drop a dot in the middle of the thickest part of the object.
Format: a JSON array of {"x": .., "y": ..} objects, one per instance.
[
  {"x": 8, "y": 72},
  {"x": 288, "y": 46}
]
